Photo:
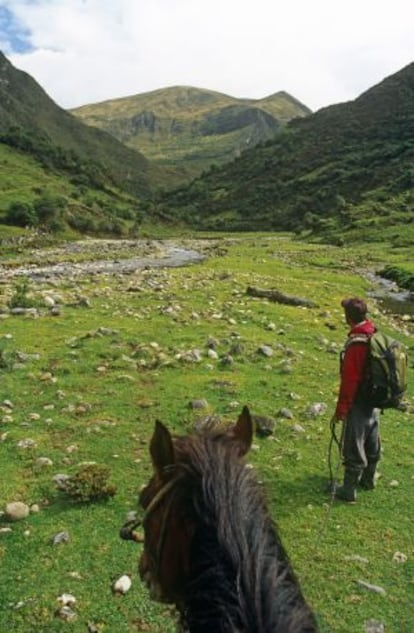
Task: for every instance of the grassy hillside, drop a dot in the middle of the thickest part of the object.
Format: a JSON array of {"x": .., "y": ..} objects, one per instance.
[
  {"x": 32, "y": 122},
  {"x": 191, "y": 128},
  {"x": 346, "y": 170},
  {"x": 74, "y": 205},
  {"x": 87, "y": 385}
]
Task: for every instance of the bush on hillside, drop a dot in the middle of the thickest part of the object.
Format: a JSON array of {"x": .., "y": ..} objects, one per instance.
[{"x": 21, "y": 214}]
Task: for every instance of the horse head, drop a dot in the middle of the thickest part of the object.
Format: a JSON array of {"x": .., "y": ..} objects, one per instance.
[{"x": 170, "y": 520}]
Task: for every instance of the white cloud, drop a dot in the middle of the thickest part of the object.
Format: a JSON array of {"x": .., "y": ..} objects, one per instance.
[{"x": 321, "y": 52}]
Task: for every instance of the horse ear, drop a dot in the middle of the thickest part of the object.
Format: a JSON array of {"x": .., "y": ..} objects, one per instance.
[
  {"x": 161, "y": 449},
  {"x": 243, "y": 431}
]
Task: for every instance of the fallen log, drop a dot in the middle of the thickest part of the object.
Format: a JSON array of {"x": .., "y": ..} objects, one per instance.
[{"x": 279, "y": 297}]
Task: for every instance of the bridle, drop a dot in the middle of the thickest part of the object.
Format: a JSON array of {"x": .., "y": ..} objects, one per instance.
[
  {"x": 156, "y": 557},
  {"x": 127, "y": 530}
]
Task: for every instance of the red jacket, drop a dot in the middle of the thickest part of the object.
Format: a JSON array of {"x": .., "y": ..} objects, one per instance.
[{"x": 352, "y": 367}]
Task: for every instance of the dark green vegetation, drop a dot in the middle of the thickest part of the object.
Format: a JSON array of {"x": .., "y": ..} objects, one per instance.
[
  {"x": 345, "y": 173},
  {"x": 87, "y": 386},
  {"x": 189, "y": 129}
]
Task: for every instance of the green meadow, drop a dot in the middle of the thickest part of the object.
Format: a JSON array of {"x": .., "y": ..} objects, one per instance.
[{"x": 87, "y": 384}]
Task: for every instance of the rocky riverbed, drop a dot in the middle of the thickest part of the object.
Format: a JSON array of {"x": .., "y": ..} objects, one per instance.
[{"x": 91, "y": 257}]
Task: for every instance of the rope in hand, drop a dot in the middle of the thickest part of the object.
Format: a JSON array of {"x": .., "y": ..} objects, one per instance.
[{"x": 333, "y": 471}]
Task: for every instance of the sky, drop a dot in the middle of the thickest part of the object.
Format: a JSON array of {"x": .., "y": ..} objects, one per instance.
[{"x": 320, "y": 51}]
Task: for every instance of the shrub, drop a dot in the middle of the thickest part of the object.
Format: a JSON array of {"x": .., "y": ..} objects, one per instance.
[
  {"x": 21, "y": 214},
  {"x": 20, "y": 298},
  {"x": 90, "y": 483}
]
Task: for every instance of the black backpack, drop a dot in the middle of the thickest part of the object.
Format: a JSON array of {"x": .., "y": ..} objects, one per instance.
[{"x": 386, "y": 372}]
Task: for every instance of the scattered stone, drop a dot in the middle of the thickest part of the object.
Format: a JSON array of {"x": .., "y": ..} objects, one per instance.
[
  {"x": 27, "y": 443},
  {"x": 318, "y": 408},
  {"x": 198, "y": 404},
  {"x": 49, "y": 301},
  {"x": 8, "y": 403},
  {"x": 5, "y": 530},
  {"x": 66, "y": 599},
  {"x": 66, "y": 613},
  {"x": 264, "y": 425},
  {"x": 286, "y": 413},
  {"x": 399, "y": 557},
  {"x": 122, "y": 585},
  {"x": 394, "y": 483},
  {"x": 44, "y": 461},
  {"x": 374, "y": 626},
  {"x": 265, "y": 350},
  {"x": 34, "y": 508},
  {"x": 373, "y": 588},
  {"x": 356, "y": 558},
  {"x": 60, "y": 480},
  {"x": 298, "y": 428},
  {"x": 16, "y": 511},
  {"x": 60, "y": 537}
]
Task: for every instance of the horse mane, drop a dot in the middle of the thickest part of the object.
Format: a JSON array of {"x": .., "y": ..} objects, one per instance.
[{"x": 241, "y": 577}]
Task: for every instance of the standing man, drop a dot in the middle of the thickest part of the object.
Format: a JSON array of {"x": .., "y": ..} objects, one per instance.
[{"x": 360, "y": 440}]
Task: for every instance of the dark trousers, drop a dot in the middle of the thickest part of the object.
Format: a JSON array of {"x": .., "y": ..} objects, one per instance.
[{"x": 361, "y": 443}]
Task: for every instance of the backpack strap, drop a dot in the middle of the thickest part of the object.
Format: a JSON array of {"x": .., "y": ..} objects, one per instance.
[{"x": 357, "y": 338}]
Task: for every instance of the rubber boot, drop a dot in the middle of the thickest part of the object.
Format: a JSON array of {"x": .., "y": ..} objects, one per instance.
[
  {"x": 347, "y": 492},
  {"x": 367, "y": 481}
]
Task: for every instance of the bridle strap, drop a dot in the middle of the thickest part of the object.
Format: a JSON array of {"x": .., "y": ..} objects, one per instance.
[
  {"x": 159, "y": 497},
  {"x": 150, "y": 509}
]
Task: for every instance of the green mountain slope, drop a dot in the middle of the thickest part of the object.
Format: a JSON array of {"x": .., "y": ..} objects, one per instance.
[
  {"x": 348, "y": 166},
  {"x": 191, "y": 128},
  {"x": 33, "y": 123}
]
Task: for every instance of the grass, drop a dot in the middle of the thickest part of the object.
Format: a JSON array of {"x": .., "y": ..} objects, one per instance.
[{"x": 105, "y": 373}]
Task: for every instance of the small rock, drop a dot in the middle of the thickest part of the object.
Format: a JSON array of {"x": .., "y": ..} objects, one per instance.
[
  {"x": 60, "y": 480},
  {"x": 122, "y": 585},
  {"x": 44, "y": 461},
  {"x": 286, "y": 413},
  {"x": 374, "y": 626},
  {"x": 318, "y": 408},
  {"x": 60, "y": 537},
  {"x": 27, "y": 443},
  {"x": 16, "y": 511},
  {"x": 356, "y": 558},
  {"x": 198, "y": 404},
  {"x": 297, "y": 428},
  {"x": 66, "y": 599},
  {"x": 66, "y": 613},
  {"x": 265, "y": 350},
  {"x": 49, "y": 301},
  {"x": 399, "y": 557},
  {"x": 394, "y": 483},
  {"x": 264, "y": 425},
  {"x": 373, "y": 588}
]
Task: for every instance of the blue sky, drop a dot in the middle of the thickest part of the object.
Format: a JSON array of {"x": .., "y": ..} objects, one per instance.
[
  {"x": 15, "y": 37},
  {"x": 320, "y": 51}
]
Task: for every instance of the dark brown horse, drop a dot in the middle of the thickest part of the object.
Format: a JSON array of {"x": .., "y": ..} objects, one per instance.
[{"x": 210, "y": 545}]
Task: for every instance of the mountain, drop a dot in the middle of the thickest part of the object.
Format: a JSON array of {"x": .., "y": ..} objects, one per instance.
[
  {"x": 347, "y": 166},
  {"x": 191, "y": 128},
  {"x": 32, "y": 122}
]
